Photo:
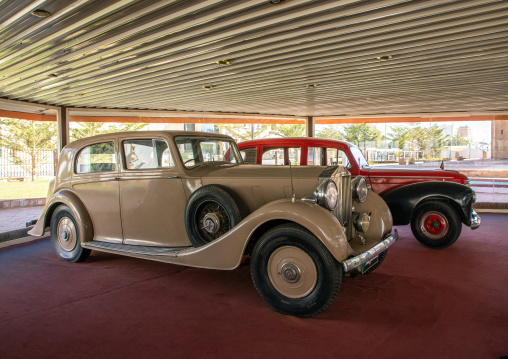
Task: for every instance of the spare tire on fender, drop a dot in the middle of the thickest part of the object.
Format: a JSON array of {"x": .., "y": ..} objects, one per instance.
[{"x": 210, "y": 213}]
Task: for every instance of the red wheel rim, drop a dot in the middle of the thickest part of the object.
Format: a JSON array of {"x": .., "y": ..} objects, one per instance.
[{"x": 434, "y": 225}]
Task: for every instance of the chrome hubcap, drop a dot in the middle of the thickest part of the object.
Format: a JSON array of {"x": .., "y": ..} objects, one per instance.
[
  {"x": 67, "y": 234},
  {"x": 290, "y": 272},
  {"x": 434, "y": 225},
  {"x": 211, "y": 223}
]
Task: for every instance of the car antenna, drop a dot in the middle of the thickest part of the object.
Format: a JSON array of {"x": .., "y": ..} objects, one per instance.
[{"x": 293, "y": 195}]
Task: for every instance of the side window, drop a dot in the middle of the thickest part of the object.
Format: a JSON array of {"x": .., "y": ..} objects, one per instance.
[
  {"x": 147, "y": 154},
  {"x": 294, "y": 154},
  {"x": 249, "y": 155},
  {"x": 273, "y": 156},
  {"x": 335, "y": 157},
  {"x": 315, "y": 156},
  {"x": 99, "y": 157}
]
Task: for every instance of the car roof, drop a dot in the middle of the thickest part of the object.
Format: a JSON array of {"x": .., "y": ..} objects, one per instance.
[
  {"x": 143, "y": 134},
  {"x": 296, "y": 140}
]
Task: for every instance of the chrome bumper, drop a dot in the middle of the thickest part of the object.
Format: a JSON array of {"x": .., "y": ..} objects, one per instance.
[
  {"x": 475, "y": 220},
  {"x": 372, "y": 253}
]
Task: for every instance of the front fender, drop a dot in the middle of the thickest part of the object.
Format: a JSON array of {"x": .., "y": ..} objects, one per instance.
[
  {"x": 71, "y": 200},
  {"x": 403, "y": 200},
  {"x": 227, "y": 251}
]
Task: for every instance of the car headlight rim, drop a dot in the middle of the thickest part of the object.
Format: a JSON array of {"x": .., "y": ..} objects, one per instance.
[
  {"x": 331, "y": 195},
  {"x": 360, "y": 189},
  {"x": 327, "y": 195}
]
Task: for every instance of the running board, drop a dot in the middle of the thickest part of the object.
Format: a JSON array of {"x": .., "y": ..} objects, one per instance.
[{"x": 136, "y": 250}]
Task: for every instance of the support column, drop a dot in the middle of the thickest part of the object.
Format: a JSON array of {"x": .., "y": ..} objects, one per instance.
[
  {"x": 62, "y": 123},
  {"x": 310, "y": 126}
]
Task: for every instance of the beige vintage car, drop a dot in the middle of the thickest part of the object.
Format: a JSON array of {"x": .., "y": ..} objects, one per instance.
[{"x": 186, "y": 198}]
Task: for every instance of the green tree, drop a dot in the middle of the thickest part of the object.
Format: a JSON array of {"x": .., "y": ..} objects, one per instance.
[
  {"x": 435, "y": 141},
  {"x": 399, "y": 135},
  {"x": 88, "y": 129},
  {"x": 246, "y": 132},
  {"x": 460, "y": 141},
  {"x": 31, "y": 138},
  {"x": 361, "y": 132},
  {"x": 288, "y": 131},
  {"x": 330, "y": 132}
]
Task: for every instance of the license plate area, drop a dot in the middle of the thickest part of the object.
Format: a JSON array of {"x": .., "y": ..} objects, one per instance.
[{"x": 366, "y": 266}]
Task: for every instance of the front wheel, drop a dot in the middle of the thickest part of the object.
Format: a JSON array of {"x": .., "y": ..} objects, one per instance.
[
  {"x": 436, "y": 225},
  {"x": 294, "y": 272},
  {"x": 65, "y": 236}
]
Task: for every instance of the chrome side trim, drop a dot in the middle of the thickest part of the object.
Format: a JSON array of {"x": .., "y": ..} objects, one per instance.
[
  {"x": 475, "y": 220},
  {"x": 372, "y": 253}
]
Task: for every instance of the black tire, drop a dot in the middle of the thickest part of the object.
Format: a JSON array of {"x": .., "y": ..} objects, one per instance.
[
  {"x": 380, "y": 260},
  {"x": 65, "y": 236},
  {"x": 294, "y": 272},
  {"x": 436, "y": 225},
  {"x": 210, "y": 213}
]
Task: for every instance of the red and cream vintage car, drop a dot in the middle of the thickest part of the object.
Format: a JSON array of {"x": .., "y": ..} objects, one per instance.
[
  {"x": 187, "y": 198},
  {"x": 435, "y": 202}
]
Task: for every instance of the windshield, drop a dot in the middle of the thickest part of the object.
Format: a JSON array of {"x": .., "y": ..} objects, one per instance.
[
  {"x": 196, "y": 150},
  {"x": 358, "y": 155}
]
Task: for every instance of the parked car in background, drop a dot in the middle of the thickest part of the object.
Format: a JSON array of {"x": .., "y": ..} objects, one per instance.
[
  {"x": 435, "y": 202},
  {"x": 187, "y": 198}
]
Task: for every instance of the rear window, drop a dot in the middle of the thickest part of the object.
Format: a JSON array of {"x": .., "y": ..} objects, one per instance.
[
  {"x": 273, "y": 156},
  {"x": 147, "y": 154},
  {"x": 99, "y": 157},
  {"x": 315, "y": 156},
  {"x": 280, "y": 156}
]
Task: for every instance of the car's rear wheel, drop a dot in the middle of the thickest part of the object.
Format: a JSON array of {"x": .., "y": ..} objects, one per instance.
[
  {"x": 294, "y": 272},
  {"x": 210, "y": 213},
  {"x": 436, "y": 225},
  {"x": 65, "y": 236}
]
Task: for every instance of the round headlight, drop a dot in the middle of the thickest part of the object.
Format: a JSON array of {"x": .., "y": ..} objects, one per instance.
[
  {"x": 331, "y": 195},
  {"x": 327, "y": 195},
  {"x": 360, "y": 189},
  {"x": 362, "y": 222}
]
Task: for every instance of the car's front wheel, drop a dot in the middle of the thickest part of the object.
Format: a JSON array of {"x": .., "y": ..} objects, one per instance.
[
  {"x": 65, "y": 236},
  {"x": 436, "y": 225},
  {"x": 294, "y": 272}
]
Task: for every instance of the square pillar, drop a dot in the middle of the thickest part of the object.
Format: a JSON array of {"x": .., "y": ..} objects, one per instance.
[
  {"x": 62, "y": 123},
  {"x": 309, "y": 126}
]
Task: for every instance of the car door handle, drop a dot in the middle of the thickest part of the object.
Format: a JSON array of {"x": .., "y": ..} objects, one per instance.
[{"x": 173, "y": 177}]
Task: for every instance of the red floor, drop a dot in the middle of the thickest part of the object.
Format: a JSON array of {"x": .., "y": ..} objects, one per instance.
[{"x": 420, "y": 303}]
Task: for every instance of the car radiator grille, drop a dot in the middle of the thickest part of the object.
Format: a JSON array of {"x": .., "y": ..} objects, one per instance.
[{"x": 344, "y": 210}]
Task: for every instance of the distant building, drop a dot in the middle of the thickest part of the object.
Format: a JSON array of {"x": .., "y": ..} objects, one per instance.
[
  {"x": 465, "y": 132},
  {"x": 500, "y": 139}
]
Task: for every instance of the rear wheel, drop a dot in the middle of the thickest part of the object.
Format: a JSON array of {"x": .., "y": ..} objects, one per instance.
[
  {"x": 436, "y": 225},
  {"x": 294, "y": 272},
  {"x": 65, "y": 236}
]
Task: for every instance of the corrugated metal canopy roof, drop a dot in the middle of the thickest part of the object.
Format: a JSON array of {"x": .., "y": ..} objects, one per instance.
[{"x": 299, "y": 57}]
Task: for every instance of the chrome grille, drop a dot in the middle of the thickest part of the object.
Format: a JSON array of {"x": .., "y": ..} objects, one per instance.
[{"x": 343, "y": 211}]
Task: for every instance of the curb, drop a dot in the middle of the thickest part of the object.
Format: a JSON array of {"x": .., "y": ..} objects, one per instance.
[
  {"x": 490, "y": 205},
  {"x": 14, "y": 234},
  {"x": 22, "y": 202}
]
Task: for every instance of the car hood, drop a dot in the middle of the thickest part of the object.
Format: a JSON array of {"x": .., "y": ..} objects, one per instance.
[
  {"x": 261, "y": 183},
  {"x": 228, "y": 171},
  {"x": 417, "y": 173}
]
